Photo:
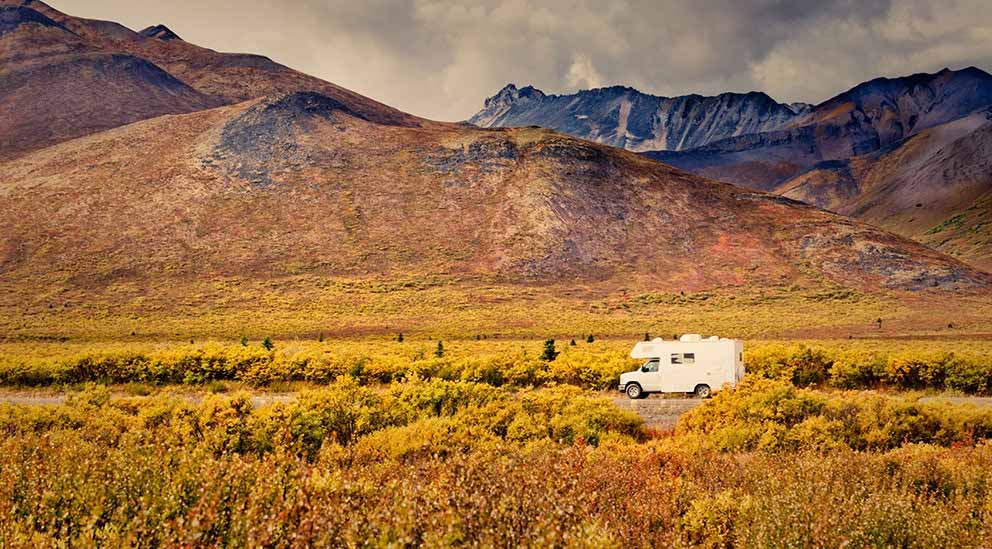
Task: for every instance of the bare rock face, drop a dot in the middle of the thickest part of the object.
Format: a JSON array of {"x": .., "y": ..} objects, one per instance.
[
  {"x": 626, "y": 118},
  {"x": 271, "y": 137}
]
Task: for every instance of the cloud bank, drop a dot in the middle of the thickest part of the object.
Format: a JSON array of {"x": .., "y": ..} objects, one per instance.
[{"x": 441, "y": 58}]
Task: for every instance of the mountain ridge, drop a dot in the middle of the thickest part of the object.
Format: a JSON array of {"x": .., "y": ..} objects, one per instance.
[{"x": 625, "y": 117}]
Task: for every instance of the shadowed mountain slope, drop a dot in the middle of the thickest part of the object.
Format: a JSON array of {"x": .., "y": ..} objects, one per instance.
[
  {"x": 232, "y": 77},
  {"x": 860, "y": 121}
]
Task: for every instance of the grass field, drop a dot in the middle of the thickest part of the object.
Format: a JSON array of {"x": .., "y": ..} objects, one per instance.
[{"x": 306, "y": 306}]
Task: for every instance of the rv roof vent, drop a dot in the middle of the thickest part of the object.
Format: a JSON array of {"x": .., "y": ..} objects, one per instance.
[
  {"x": 691, "y": 337},
  {"x": 658, "y": 340}
]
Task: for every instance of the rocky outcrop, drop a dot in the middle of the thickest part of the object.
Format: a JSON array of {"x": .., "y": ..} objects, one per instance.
[{"x": 161, "y": 32}]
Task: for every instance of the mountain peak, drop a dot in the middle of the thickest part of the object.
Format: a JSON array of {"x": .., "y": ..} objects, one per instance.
[
  {"x": 511, "y": 94},
  {"x": 160, "y": 32},
  {"x": 12, "y": 17}
]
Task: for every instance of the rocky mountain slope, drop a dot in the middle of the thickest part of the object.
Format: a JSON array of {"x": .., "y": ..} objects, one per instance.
[
  {"x": 626, "y": 118},
  {"x": 908, "y": 154},
  {"x": 315, "y": 181},
  {"x": 302, "y": 183}
]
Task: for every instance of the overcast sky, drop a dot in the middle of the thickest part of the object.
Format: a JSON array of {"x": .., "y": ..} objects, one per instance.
[{"x": 442, "y": 58}]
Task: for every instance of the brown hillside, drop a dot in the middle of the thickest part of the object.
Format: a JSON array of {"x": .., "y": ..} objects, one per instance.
[{"x": 302, "y": 183}]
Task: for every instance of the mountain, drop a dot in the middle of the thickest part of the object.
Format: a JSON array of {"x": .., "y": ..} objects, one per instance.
[
  {"x": 44, "y": 64},
  {"x": 626, "y": 118},
  {"x": 117, "y": 76},
  {"x": 908, "y": 154},
  {"x": 325, "y": 182},
  {"x": 860, "y": 121},
  {"x": 935, "y": 187}
]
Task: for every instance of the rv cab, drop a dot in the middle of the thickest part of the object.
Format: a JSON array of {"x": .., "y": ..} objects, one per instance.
[{"x": 691, "y": 364}]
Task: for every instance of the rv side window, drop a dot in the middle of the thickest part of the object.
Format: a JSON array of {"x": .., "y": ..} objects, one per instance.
[
  {"x": 676, "y": 358},
  {"x": 689, "y": 358}
]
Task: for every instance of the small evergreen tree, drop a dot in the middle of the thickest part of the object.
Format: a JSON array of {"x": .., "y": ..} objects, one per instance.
[
  {"x": 572, "y": 343},
  {"x": 549, "y": 353},
  {"x": 879, "y": 322},
  {"x": 320, "y": 338},
  {"x": 267, "y": 343},
  {"x": 399, "y": 337},
  {"x": 647, "y": 336},
  {"x": 244, "y": 341},
  {"x": 590, "y": 339},
  {"x": 439, "y": 352}
]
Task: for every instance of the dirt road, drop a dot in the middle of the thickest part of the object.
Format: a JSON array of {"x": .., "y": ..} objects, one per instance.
[{"x": 658, "y": 412}]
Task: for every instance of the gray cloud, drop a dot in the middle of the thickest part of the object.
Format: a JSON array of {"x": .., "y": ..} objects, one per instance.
[{"x": 441, "y": 58}]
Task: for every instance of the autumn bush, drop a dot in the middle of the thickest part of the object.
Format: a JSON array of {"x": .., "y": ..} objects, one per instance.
[
  {"x": 507, "y": 364},
  {"x": 768, "y": 414},
  {"x": 449, "y": 464},
  {"x": 906, "y": 369}
]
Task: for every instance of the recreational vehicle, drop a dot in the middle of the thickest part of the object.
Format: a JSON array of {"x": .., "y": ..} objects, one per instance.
[{"x": 691, "y": 364}]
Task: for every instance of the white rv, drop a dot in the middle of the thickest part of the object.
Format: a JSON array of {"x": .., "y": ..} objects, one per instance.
[{"x": 693, "y": 364}]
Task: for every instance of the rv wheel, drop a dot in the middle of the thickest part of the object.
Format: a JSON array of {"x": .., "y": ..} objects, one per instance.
[
  {"x": 634, "y": 391},
  {"x": 703, "y": 391}
]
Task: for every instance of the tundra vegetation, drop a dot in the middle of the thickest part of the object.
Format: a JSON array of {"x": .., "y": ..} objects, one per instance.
[
  {"x": 448, "y": 463},
  {"x": 826, "y": 443},
  {"x": 958, "y": 366}
]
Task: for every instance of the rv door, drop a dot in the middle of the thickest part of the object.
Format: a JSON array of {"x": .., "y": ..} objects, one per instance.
[{"x": 650, "y": 378}]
